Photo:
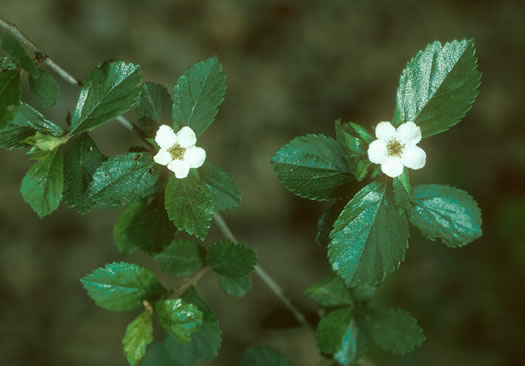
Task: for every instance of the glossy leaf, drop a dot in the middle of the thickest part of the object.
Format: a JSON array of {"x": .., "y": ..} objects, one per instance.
[
  {"x": 223, "y": 188},
  {"x": 180, "y": 258},
  {"x": 154, "y": 107},
  {"x": 139, "y": 334},
  {"x": 17, "y": 53},
  {"x": 44, "y": 89},
  {"x": 331, "y": 291},
  {"x": 10, "y": 94},
  {"x": 230, "y": 259},
  {"x": 235, "y": 286},
  {"x": 179, "y": 318},
  {"x": 263, "y": 356}
]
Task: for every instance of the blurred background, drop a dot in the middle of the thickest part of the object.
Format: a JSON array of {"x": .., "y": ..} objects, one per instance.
[{"x": 292, "y": 68}]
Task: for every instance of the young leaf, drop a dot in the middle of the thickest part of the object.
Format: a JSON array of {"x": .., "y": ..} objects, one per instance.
[
  {"x": 109, "y": 90},
  {"x": 263, "y": 356},
  {"x": 438, "y": 86},
  {"x": 43, "y": 184},
  {"x": 124, "y": 179},
  {"x": 235, "y": 286},
  {"x": 230, "y": 259},
  {"x": 17, "y": 53},
  {"x": 326, "y": 221},
  {"x": 180, "y": 258},
  {"x": 370, "y": 236},
  {"x": 10, "y": 94},
  {"x": 331, "y": 291},
  {"x": 332, "y": 330},
  {"x": 139, "y": 334},
  {"x": 44, "y": 89},
  {"x": 313, "y": 166},
  {"x": 391, "y": 329},
  {"x": 189, "y": 205},
  {"x": 198, "y": 94},
  {"x": 154, "y": 107},
  {"x": 354, "y": 147},
  {"x": 447, "y": 213},
  {"x": 179, "y": 318},
  {"x": 121, "y": 286},
  {"x": 222, "y": 186},
  {"x": 401, "y": 195}
]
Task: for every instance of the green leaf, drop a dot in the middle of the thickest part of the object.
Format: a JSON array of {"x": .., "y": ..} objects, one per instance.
[
  {"x": 370, "y": 236},
  {"x": 401, "y": 195},
  {"x": 109, "y": 90},
  {"x": 180, "y": 258},
  {"x": 223, "y": 188},
  {"x": 143, "y": 224},
  {"x": 121, "y": 286},
  {"x": 363, "y": 293},
  {"x": 438, "y": 86},
  {"x": 43, "y": 184},
  {"x": 447, "y": 213},
  {"x": 27, "y": 116},
  {"x": 81, "y": 160},
  {"x": 332, "y": 329},
  {"x": 139, "y": 334},
  {"x": 189, "y": 205},
  {"x": 198, "y": 94},
  {"x": 331, "y": 291},
  {"x": 355, "y": 148},
  {"x": 154, "y": 107},
  {"x": 326, "y": 221},
  {"x": 391, "y": 329},
  {"x": 10, "y": 94},
  {"x": 263, "y": 356},
  {"x": 17, "y": 53},
  {"x": 362, "y": 132},
  {"x": 13, "y": 137},
  {"x": 230, "y": 259},
  {"x": 179, "y": 318},
  {"x": 44, "y": 89},
  {"x": 123, "y": 179},
  {"x": 313, "y": 166},
  {"x": 158, "y": 355},
  {"x": 235, "y": 286}
]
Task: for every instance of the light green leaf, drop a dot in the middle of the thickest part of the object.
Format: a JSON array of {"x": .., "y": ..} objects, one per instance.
[
  {"x": 180, "y": 258},
  {"x": 438, "y": 86},
  {"x": 230, "y": 259},
  {"x": 235, "y": 286},
  {"x": 223, "y": 188},
  {"x": 179, "y": 318},
  {"x": 331, "y": 291},
  {"x": 121, "y": 286},
  {"x": 447, "y": 213},
  {"x": 154, "y": 107},
  {"x": 313, "y": 166},
  {"x": 370, "y": 236},
  {"x": 17, "y": 53},
  {"x": 43, "y": 184},
  {"x": 189, "y": 205},
  {"x": 10, "y": 94},
  {"x": 263, "y": 356},
  {"x": 109, "y": 90},
  {"x": 139, "y": 334},
  {"x": 44, "y": 89},
  {"x": 198, "y": 94}
]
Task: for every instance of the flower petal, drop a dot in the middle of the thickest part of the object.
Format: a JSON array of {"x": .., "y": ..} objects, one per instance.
[
  {"x": 165, "y": 137},
  {"x": 414, "y": 157},
  {"x": 180, "y": 168},
  {"x": 377, "y": 152},
  {"x": 186, "y": 137},
  {"x": 393, "y": 167},
  {"x": 409, "y": 133},
  {"x": 194, "y": 156},
  {"x": 385, "y": 131},
  {"x": 163, "y": 157}
]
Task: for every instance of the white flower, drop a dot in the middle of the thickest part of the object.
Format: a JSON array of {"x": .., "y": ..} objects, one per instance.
[
  {"x": 178, "y": 151},
  {"x": 395, "y": 149}
]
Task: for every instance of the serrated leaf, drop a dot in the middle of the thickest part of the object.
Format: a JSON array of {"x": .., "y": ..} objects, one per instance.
[
  {"x": 44, "y": 89},
  {"x": 189, "y": 205},
  {"x": 369, "y": 237},
  {"x": 401, "y": 196},
  {"x": 139, "y": 334},
  {"x": 17, "y": 53},
  {"x": 332, "y": 329},
  {"x": 445, "y": 212},
  {"x": 123, "y": 179},
  {"x": 82, "y": 158},
  {"x": 223, "y": 188},
  {"x": 263, "y": 356},
  {"x": 391, "y": 329},
  {"x": 27, "y": 116},
  {"x": 438, "y": 86},
  {"x": 10, "y": 94},
  {"x": 121, "y": 286},
  {"x": 180, "y": 258},
  {"x": 43, "y": 184},
  {"x": 154, "y": 107},
  {"x": 198, "y": 94},
  {"x": 331, "y": 291},
  {"x": 230, "y": 259},
  {"x": 313, "y": 166},
  {"x": 235, "y": 286},
  {"x": 143, "y": 224},
  {"x": 109, "y": 90},
  {"x": 179, "y": 318},
  {"x": 326, "y": 221}
]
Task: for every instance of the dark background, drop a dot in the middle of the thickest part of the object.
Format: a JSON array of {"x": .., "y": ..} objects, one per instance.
[{"x": 292, "y": 69}]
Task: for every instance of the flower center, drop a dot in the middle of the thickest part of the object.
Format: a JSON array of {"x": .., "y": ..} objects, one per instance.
[
  {"x": 177, "y": 152},
  {"x": 394, "y": 148}
]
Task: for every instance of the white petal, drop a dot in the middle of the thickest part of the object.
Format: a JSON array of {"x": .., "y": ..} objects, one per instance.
[
  {"x": 414, "y": 157},
  {"x": 194, "y": 156},
  {"x": 180, "y": 168},
  {"x": 409, "y": 133},
  {"x": 377, "y": 152},
  {"x": 165, "y": 137},
  {"x": 385, "y": 131},
  {"x": 393, "y": 167},
  {"x": 186, "y": 137},
  {"x": 163, "y": 157}
]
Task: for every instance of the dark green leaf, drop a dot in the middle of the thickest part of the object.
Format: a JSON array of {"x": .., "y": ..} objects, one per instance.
[
  {"x": 331, "y": 291},
  {"x": 154, "y": 107},
  {"x": 27, "y": 116},
  {"x": 222, "y": 186},
  {"x": 438, "y": 86},
  {"x": 263, "y": 356},
  {"x": 370, "y": 236},
  {"x": 109, "y": 90},
  {"x": 13, "y": 137},
  {"x": 180, "y": 258},
  {"x": 17, "y": 53},
  {"x": 139, "y": 334},
  {"x": 230, "y": 259},
  {"x": 362, "y": 132},
  {"x": 158, "y": 355},
  {"x": 179, "y": 318},
  {"x": 326, "y": 221},
  {"x": 313, "y": 167},
  {"x": 189, "y": 205},
  {"x": 401, "y": 196},
  {"x": 332, "y": 330},
  {"x": 447, "y": 213},
  {"x": 355, "y": 147},
  {"x": 363, "y": 293},
  {"x": 121, "y": 286},
  {"x": 235, "y": 286},
  {"x": 10, "y": 94},
  {"x": 44, "y": 89},
  {"x": 198, "y": 94}
]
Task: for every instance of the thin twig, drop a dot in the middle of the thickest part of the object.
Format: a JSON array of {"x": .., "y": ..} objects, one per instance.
[{"x": 188, "y": 282}]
